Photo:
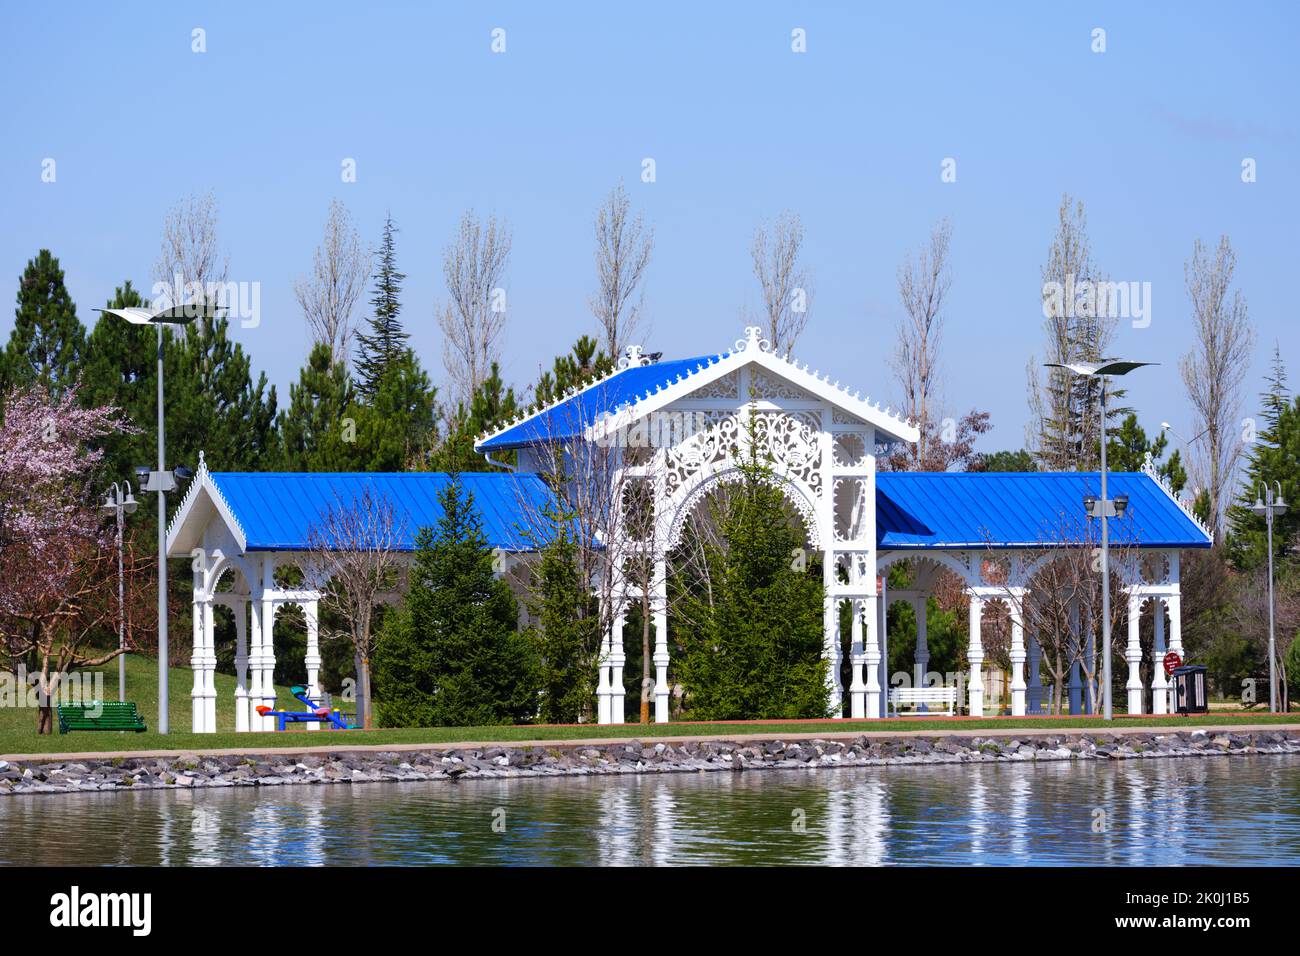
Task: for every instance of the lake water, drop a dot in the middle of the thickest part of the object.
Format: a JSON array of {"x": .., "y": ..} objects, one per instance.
[{"x": 1229, "y": 810}]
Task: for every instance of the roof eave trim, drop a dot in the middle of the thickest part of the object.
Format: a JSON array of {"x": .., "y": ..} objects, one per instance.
[
  {"x": 1149, "y": 469},
  {"x": 203, "y": 481},
  {"x": 753, "y": 349}
]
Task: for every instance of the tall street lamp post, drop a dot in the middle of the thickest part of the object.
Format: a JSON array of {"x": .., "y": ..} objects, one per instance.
[
  {"x": 162, "y": 480},
  {"x": 1267, "y": 505},
  {"x": 121, "y": 502},
  {"x": 1104, "y": 508}
]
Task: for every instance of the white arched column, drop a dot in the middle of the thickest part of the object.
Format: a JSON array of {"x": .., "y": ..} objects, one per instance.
[
  {"x": 240, "y": 608},
  {"x": 203, "y": 662},
  {"x": 1133, "y": 654},
  {"x": 831, "y": 633},
  {"x": 1159, "y": 682},
  {"x": 921, "y": 656},
  {"x": 873, "y": 697},
  {"x": 312, "y": 659},
  {"x": 617, "y": 704},
  {"x": 659, "y": 605},
  {"x": 1175, "y": 605},
  {"x": 975, "y": 656},
  {"x": 1015, "y": 603},
  {"x": 261, "y": 660},
  {"x": 254, "y": 696},
  {"x": 1035, "y": 691},
  {"x": 858, "y": 658}
]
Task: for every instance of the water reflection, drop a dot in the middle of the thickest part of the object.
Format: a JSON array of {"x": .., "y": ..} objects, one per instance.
[{"x": 1135, "y": 813}]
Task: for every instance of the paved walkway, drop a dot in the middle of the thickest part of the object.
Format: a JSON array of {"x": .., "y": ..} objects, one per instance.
[{"x": 1117, "y": 730}]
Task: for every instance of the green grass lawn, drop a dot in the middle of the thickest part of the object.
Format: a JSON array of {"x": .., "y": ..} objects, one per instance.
[{"x": 18, "y": 725}]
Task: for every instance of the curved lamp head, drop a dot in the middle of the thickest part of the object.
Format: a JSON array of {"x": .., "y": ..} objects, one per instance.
[
  {"x": 172, "y": 315},
  {"x": 1104, "y": 367}
]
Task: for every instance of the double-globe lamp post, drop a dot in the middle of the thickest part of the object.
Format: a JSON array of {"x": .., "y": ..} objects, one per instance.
[
  {"x": 1268, "y": 505},
  {"x": 162, "y": 480},
  {"x": 121, "y": 501},
  {"x": 1103, "y": 508}
]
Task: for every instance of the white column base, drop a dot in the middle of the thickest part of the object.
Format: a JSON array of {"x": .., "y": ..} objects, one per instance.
[
  {"x": 603, "y": 696},
  {"x": 241, "y": 710},
  {"x": 662, "y": 689},
  {"x": 1135, "y": 700},
  {"x": 617, "y": 695}
]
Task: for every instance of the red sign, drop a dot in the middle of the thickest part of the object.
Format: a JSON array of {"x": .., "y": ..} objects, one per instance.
[{"x": 1172, "y": 660}]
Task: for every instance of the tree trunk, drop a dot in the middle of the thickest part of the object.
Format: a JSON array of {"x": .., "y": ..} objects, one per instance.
[
  {"x": 646, "y": 683},
  {"x": 46, "y": 697},
  {"x": 363, "y": 693}
]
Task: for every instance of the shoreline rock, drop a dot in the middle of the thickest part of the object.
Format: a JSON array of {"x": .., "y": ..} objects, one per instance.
[{"x": 452, "y": 763}]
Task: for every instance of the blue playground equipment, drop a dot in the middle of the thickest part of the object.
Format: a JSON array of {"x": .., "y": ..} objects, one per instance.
[{"x": 314, "y": 714}]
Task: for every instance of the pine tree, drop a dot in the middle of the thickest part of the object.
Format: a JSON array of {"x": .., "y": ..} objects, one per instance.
[
  {"x": 756, "y": 650},
  {"x": 213, "y": 405},
  {"x": 317, "y": 432},
  {"x": 1274, "y": 456},
  {"x": 121, "y": 369},
  {"x": 584, "y": 363},
  {"x": 492, "y": 405},
  {"x": 386, "y": 342},
  {"x": 452, "y": 654},
  {"x": 1127, "y": 448},
  {"x": 47, "y": 342},
  {"x": 566, "y": 633},
  {"x": 397, "y": 427}
]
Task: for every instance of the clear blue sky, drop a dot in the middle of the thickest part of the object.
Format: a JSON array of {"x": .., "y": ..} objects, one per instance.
[{"x": 851, "y": 134}]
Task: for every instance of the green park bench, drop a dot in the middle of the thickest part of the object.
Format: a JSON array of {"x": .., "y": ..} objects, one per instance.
[{"x": 105, "y": 715}]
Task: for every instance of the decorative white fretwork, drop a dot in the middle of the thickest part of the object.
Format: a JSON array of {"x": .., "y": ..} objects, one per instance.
[
  {"x": 764, "y": 385},
  {"x": 728, "y": 386}
]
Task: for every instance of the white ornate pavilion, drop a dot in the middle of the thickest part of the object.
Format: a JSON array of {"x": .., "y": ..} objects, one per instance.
[{"x": 688, "y": 418}]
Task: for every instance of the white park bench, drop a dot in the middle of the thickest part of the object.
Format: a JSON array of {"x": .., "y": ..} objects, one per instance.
[{"x": 929, "y": 696}]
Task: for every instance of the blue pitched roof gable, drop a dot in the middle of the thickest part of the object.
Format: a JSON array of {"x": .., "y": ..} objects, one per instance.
[
  {"x": 916, "y": 510},
  {"x": 568, "y": 418},
  {"x": 277, "y": 510}
]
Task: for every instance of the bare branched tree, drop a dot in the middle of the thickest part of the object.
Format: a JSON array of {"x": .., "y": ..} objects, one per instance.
[
  {"x": 605, "y": 490},
  {"x": 1063, "y": 606},
  {"x": 1065, "y": 432},
  {"x": 786, "y": 287},
  {"x": 190, "y": 250},
  {"x": 923, "y": 285},
  {"x": 1214, "y": 369},
  {"x": 329, "y": 296},
  {"x": 352, "y": 555},
  {"x": 623, "y": 250},
  {"x": 474, "y": 317}
]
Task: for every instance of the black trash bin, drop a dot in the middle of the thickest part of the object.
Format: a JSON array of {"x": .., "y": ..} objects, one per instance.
[{"x": 1191, "y": 695}]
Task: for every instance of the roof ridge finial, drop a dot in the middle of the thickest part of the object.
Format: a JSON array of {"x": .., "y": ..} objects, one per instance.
[{"x": 634, "y": 358}]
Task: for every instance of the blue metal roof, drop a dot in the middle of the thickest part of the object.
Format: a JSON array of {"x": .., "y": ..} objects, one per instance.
[
  {"x": 276, "y": 510},
  {"x": 568, "y": 418},
  {"x": 916, "y": 510}
]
